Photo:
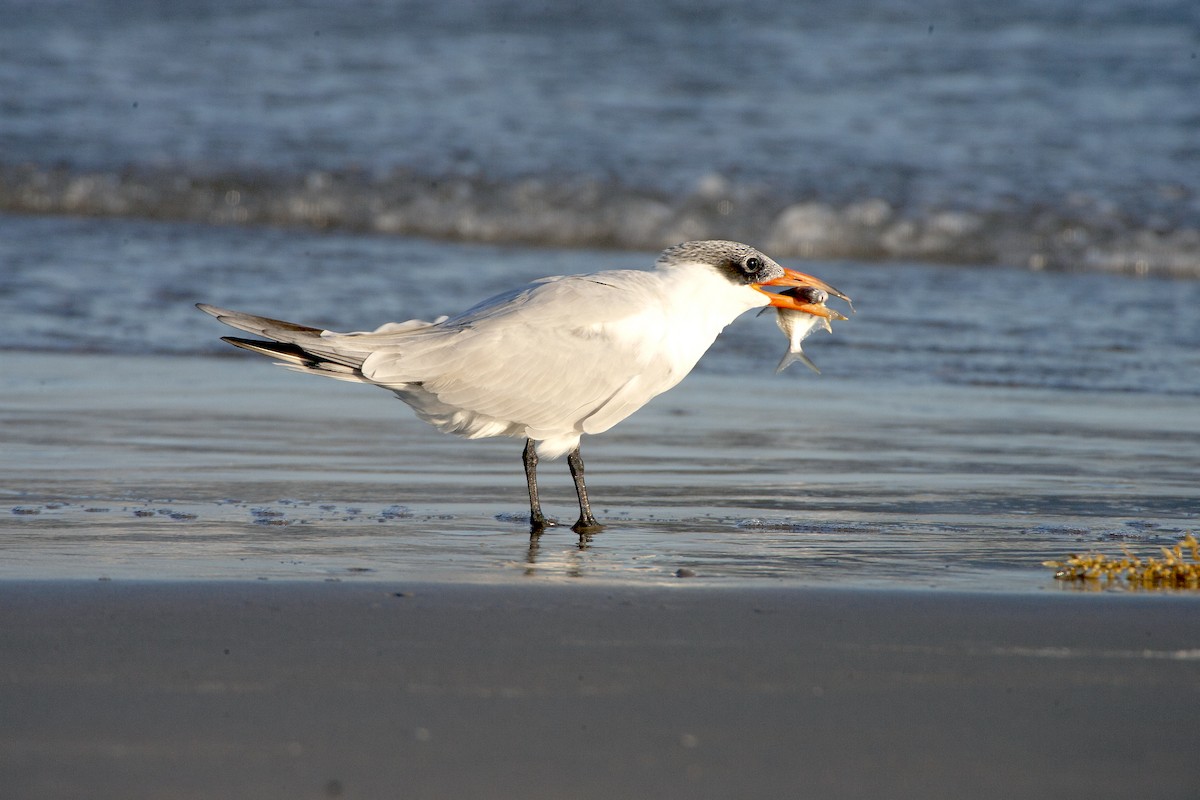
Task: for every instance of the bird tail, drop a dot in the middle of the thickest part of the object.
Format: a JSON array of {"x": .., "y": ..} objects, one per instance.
[{"x": 297, "y": 347}]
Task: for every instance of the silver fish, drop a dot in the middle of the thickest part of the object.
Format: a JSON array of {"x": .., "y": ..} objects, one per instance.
[{"x": 797, "y": 325}]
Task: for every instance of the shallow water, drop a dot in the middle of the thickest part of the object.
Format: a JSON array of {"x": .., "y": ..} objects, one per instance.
[
  {"x": 174, "y": 467},
  {"x": 117, "y": 286}
]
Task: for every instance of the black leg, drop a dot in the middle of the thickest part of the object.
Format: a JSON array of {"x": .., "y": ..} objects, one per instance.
[
  {"x": 537, "y": 522},
  {"x": 587, "y": 523}
]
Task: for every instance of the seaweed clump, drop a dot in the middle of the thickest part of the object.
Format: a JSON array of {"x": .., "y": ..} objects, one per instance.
[{"x": 1179, "y": 568}]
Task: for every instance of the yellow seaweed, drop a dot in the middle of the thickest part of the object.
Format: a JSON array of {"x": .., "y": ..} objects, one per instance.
[{"x": 1177, "y": 569}]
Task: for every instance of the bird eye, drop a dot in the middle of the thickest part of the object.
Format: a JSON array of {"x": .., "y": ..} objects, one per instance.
[{"x": 752, "y": 264}]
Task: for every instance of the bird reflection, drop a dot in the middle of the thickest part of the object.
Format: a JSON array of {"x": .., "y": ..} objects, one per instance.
[{"x": 573, "y": 568}]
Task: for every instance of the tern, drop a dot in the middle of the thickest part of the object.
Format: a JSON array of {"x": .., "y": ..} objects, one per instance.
[{"x": 551, "y": 361}]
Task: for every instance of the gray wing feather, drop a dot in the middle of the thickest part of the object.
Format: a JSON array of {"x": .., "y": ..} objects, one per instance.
[{"x": 538, "y": 355}]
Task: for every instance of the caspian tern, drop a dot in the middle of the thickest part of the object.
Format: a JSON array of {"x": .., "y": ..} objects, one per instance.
[{"x": 553, "y": 360}]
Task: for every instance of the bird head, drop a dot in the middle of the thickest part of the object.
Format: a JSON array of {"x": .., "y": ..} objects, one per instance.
[{"x": 743, "y": 265}]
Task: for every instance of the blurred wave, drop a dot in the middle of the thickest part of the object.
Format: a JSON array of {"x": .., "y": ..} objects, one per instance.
[{"x": 1083, "y": 234}]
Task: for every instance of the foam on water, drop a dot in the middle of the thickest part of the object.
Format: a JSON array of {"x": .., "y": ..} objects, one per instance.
[{"x": 1083, "y": 235}]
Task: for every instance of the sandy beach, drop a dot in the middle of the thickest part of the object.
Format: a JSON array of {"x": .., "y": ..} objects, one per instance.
[{"x": 289, "y": 690}]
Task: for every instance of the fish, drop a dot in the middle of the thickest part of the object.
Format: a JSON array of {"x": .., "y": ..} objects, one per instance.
[{"x": 798, "y": 324}]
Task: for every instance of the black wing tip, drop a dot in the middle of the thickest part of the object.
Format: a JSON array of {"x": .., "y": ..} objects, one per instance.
[{"x": 269, "y": 348}]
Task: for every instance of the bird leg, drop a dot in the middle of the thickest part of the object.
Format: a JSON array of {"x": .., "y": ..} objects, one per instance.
[
  {"x": 587, "y": 523},
  {"x": 537, "y": 522}
]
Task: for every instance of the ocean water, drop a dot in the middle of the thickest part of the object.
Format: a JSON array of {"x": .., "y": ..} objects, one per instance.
[
  {"x": 96, "y": 285},
  {"x": 1008, "y": 192},
  {"x": 1049, "y": 134}
]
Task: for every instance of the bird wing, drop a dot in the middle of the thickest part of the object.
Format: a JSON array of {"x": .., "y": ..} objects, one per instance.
[
  {"x": 547, "y": 356},
  {"x": 305, "y": 344}
]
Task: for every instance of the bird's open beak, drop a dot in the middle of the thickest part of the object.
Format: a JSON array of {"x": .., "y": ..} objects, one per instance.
[{"x": 799, "y": 279}]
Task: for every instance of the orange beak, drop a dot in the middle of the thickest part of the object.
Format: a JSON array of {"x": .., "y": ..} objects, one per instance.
[{"x": 800, "y": 280}]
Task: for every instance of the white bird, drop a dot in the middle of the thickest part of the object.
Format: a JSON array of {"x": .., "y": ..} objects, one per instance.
[{"x": 550, "y": 361}]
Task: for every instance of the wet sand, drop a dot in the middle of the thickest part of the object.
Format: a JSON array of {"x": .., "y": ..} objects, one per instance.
[
  {"x": 230, "y": 469},
  {"x": 289, "y": 690},
  {"x": 221, "y": 579}
]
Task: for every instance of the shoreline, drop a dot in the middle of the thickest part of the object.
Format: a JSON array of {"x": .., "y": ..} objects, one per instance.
[{"x": 210, "y": 468}]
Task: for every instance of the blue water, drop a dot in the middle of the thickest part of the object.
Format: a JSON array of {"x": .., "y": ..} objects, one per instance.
[
  {"x": 1050, "y": 134},
  {"x": 129, "y": 287}
]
